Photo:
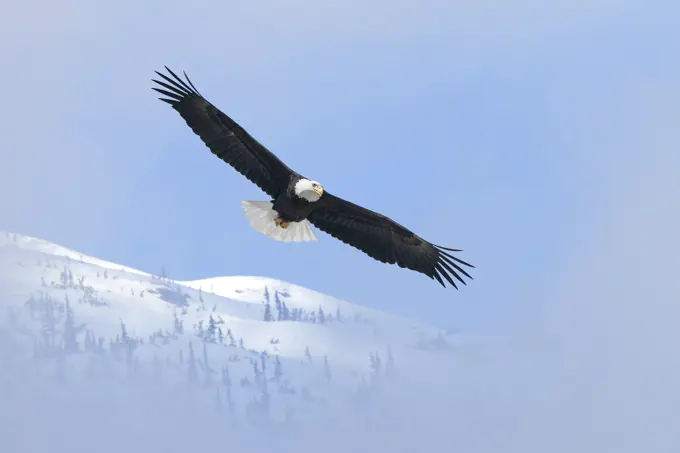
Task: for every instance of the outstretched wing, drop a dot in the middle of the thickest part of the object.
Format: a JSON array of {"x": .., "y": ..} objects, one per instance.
[
  {"x": 225, "y": 138},
  {"x": 385, "y": 240}
]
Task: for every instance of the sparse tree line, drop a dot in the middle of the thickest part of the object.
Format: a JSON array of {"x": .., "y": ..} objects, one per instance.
[
  {"x": 281, "y": 312},
  {"x": 174, "y": 294},
  {"x": 60, "y": 336}
]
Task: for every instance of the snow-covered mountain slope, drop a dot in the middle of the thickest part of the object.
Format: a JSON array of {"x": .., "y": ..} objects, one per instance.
[{"x": 252, "y": 343}]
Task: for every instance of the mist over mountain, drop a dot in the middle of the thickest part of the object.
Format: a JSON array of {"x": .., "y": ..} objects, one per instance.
[{"x": 97, "y": 354}]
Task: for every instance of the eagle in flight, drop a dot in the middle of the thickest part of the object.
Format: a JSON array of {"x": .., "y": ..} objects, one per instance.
[{"x": 296, "y": 203}]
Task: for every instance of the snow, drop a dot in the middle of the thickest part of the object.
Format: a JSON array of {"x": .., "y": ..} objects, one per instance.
[
  {"x": 39, "y": 277},
  {"x": 123, "y": 366}
]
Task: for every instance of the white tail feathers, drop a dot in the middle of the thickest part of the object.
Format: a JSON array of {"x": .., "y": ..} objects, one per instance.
[{"x": 262, "y": 217}]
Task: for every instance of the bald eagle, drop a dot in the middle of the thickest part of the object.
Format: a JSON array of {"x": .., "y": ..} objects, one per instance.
[{"x": 297, "y": 202}]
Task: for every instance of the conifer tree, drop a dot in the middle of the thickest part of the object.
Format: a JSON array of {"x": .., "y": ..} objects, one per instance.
[
  {"x": 218, "y": 402},
  {"x": 206, "y": 364},
  {"x": 375, "y": 364},
  {"x": 279, "y": 307},
  {"x": 124, "y": 335},
  {"x": 326, "y": 368},
  {"x": 268, "y": 312},
  {"x": 263, "y": 358},
  {"x": 193, "y": 373},
  {"x": 226, "y": 379},
  {"x": 278, "y": 372},
  {"x": 212, "y": 330},
  {"x": 389, "y": 366},
  {"x": 179, "y": 325},
  {"x": 70, "y": 331}
]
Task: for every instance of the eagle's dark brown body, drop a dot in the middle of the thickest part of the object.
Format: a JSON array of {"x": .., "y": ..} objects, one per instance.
[{"x": 289, "y": 206}]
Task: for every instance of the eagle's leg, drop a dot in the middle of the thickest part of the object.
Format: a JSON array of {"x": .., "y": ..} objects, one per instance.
[{"x": 280, "y": 222}]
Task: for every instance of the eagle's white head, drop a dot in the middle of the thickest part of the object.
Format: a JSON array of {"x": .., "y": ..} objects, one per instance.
[{"x": 308, "y": 190}]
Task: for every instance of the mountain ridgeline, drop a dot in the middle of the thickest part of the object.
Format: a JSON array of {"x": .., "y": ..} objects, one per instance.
[{"x": 246, "y": 352}]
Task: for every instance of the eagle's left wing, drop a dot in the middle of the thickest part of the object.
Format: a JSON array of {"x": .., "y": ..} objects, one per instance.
[
  {"x": 385, "y": 240},
  {"x": 223, "y": 136}
]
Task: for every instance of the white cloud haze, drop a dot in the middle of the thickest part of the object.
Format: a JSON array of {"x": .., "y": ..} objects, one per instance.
[{"x": 581, "y": 358}]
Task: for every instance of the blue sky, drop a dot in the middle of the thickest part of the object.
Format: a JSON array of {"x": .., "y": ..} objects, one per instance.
[{"x": 490, "y": 127}]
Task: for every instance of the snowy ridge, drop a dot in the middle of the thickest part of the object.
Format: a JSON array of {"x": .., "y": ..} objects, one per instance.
[
  {"x": 251, "y": 342},
  {"x": 34, "y": 244}
]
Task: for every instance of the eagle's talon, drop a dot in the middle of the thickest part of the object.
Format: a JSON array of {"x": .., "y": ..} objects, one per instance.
[{"x": 280, "y": 222}]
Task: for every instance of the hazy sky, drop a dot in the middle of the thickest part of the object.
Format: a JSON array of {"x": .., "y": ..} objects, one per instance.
[
  {"x": 502, "y": 128},
  {"x": 541, "y": 137}
]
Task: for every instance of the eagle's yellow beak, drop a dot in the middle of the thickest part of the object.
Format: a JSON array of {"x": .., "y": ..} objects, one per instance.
[{"x": 319, "y": 190}]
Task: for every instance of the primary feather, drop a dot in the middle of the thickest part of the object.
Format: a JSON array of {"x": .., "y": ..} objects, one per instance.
[
  {"x": 223, "y": 136},
  {"x": 385, "y": 240}
]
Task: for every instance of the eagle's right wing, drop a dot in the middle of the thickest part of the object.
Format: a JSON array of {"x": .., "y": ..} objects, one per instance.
[
  {"x": 224, "y": 137},
  {"x": 385, "y": 240}
]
